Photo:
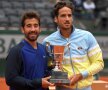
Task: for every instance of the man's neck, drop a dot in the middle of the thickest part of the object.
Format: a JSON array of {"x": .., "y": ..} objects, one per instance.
[
  {"x": 66, "y": 33},
  {"x": 32, "y": 43}
]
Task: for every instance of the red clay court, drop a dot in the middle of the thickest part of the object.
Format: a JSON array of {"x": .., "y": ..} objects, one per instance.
[{"x": 3, "y": 85}]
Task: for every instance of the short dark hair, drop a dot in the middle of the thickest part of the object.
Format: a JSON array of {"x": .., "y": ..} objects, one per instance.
[
  {"x": 62, "y": 4},
  {"x": 29, "y": 15}
]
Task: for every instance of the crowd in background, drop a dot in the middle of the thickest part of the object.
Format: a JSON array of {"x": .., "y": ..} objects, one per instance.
[{"x": 93, "y": 11}]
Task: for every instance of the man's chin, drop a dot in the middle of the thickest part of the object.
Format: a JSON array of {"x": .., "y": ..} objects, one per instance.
[
  {"x": 67, "y": 27},
  {"x": 32, "y": 39}
]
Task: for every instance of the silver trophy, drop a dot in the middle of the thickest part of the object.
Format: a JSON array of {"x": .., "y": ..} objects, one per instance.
[{"x": 55, "y": 54}]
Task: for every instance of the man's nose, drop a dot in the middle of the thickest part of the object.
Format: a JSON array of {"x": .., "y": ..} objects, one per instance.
[
  {"x": 32, "y": 28},
  {"x": 67, "y": 18}
]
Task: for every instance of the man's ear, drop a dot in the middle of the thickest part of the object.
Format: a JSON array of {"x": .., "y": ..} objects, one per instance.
[
  {"x": 55, "y": 19},
  {"x": 40, "y": 30},
  {"x": 22, "y": 30}
]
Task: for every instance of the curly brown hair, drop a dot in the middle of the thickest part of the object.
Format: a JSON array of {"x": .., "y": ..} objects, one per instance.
[
  {"x": 29, "y": 15},
  {"x": 62, "y": 4}
]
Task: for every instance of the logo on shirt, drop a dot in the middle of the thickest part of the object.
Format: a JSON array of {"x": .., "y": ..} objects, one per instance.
[
  {"x": 80, "y": 48},
  {"x": 44, "y": 56}
]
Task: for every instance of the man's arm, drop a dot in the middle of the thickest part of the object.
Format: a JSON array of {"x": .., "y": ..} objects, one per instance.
[
  {"x": 94, "y": 55},
  {"x": 14, "y": 67}
]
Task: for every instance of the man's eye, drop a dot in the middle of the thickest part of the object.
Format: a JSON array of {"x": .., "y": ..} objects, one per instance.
[
  {"x": 36, "y": 25},
  {"x": 69, "y": 15},
  {"x": 62, "y": 15},
  {"x": 28, "y": 25}
]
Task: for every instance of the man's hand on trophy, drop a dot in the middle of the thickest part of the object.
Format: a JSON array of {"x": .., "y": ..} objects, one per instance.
[
  {"x": 46, "y": 83},
  {"x": 74, "y": 79}
]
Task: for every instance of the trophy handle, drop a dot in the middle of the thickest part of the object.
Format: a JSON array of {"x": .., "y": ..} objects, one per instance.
[{"x": 50, "y": 56}]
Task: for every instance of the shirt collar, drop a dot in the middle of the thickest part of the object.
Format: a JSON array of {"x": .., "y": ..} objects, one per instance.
[{"x": 73, "y": 29}]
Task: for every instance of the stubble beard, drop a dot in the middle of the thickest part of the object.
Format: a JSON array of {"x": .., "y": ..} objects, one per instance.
[{"x": 31, "y": 38}]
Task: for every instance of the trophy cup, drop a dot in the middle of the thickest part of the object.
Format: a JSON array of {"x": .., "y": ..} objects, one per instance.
[{"x": 55, "y": 61}]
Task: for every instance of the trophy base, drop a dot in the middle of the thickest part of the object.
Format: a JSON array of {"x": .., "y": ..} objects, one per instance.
[{"x": 59, "y": 77}]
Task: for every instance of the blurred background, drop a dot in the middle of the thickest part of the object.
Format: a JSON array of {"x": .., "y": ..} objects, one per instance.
[{"x": 91, "y": 15}]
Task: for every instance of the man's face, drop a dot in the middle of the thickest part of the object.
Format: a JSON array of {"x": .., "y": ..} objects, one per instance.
[
  {"x": 64, "y": 18},
  {"x": 31, "y": 29}
]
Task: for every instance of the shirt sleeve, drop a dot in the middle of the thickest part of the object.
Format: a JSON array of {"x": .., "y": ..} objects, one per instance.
[{"x": 95, "y": 56}]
